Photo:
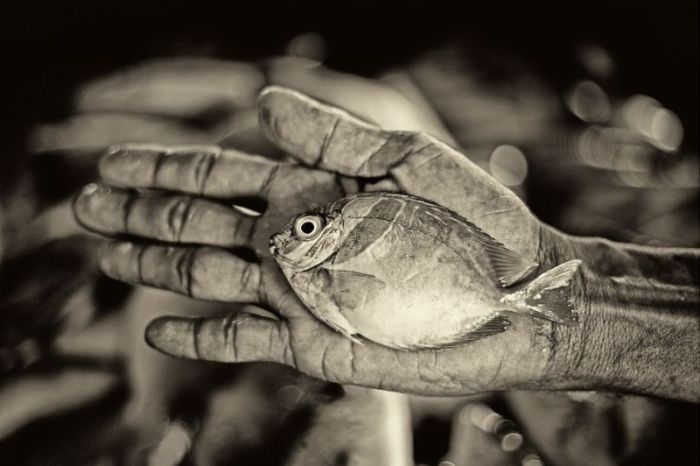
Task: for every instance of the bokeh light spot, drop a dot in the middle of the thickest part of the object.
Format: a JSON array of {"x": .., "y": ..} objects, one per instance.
[
  {"x": 666, "y": 130},
  {"x": 589, "y": 102},
  {"x": 508, "y": 165}
]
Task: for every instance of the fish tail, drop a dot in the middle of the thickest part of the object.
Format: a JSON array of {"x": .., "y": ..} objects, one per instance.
[{"x": 548, "y": 296}]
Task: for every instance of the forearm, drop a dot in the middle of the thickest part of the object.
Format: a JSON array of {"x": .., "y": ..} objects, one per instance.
[{"x": 639, "y": 320}]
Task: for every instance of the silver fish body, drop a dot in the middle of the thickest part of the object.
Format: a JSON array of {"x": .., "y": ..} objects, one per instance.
[{"x": 409, "y": 274}]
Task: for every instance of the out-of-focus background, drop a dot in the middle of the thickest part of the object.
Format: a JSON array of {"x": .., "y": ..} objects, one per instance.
[{"x": 588, "y": 110}]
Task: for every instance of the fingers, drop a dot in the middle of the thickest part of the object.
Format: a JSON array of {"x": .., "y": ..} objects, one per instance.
[
  {"x": 98, "y": 130},
  {"x": 26, "y": 399},
  {"x": 419, "y": 164},
  {"x": 330, "y": 138},
  {"x": 176, "y": 87},
  {"x": 394, "y": 103},
  {"x": 202, "y": 273},
  {"x": 204, "y": 170},
  {"x": 178, "y": 219},
  {"x": 236, "y": 338}
]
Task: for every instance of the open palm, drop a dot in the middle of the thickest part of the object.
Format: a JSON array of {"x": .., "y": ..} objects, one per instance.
[{"x": 184, "y": 199}]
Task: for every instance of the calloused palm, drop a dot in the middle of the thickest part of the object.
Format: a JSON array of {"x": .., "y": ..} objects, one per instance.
[{"x": 331, "y": 145}]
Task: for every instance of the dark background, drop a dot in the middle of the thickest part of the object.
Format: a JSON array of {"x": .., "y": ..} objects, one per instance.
[{"x": 47, "y": 49}]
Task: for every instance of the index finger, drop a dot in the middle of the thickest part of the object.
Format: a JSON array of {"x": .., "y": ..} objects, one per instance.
[
  {"x": 202, "y": 170},
  {"x": 177, "y": 87}
]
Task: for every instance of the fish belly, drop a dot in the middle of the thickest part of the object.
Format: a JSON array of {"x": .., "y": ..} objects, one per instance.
[{"x": 426, "y": 300}]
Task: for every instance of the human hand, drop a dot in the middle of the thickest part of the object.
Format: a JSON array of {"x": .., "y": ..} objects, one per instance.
[
  {"x": 202, "y": 101},
  {"x": 336, "y": 143}
]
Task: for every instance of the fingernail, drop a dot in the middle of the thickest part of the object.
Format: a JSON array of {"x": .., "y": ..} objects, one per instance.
[
  {"x": 111, "y": 156},
  {"x": 114, "y": 149},
  {"x": 94, "y": 188},
  {"x": 166, "y": 333},
  {"x": 107, "y": 265},
  {"x": 109, "y": 254},
  {"x": 88, "y": 201}
]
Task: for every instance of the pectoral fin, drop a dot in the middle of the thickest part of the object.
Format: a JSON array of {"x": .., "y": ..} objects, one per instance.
[
  {"x": 351, "y": 290},
  {"x": 334, "y": 319},
  {"x": 350, "y": 279},
  {"x": 327, "y": 311},
  {"x": 348, "y": 292}
]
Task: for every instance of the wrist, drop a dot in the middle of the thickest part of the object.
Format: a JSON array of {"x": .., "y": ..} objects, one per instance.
[{"x": 638, "y": 318}]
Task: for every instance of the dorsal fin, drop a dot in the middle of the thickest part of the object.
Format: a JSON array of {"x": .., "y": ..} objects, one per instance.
[{"x": 510, "y": 267}]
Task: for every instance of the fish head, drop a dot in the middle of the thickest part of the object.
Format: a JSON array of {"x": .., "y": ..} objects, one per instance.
[{"x": 307, "y": 241}]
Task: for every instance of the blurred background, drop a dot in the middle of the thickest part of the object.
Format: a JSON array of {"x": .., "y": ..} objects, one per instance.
[{"x": 587, "y": 110}]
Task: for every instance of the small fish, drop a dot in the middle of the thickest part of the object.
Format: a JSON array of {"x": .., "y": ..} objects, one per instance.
[{"x": 410, "y": 274}]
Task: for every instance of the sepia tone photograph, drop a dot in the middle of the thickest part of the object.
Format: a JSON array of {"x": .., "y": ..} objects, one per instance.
[{"x": 372, "y": 233}]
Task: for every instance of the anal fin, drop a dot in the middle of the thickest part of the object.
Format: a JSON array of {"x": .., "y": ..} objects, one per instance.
[
  {"x": 490, "y": 326},
  {"x": 496, "y": 324}
]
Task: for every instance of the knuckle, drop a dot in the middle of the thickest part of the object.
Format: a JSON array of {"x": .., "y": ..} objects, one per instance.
[
  {"x": 269, "y": 180},
  {"x": 251, "y": 277},
  {"x": 331, "y": 362},
  {"x": 418, "y": 141},
  {"x": 185, "y": 270},
  {"x": 329, "y": 139},
  {"x": 406, "y": 138},
  {"x": 230, "y": 336},
  {"x": 160, "y": 157},
  {"x": 176, "y": 216},
  {"x": 326, "y": 363},
  {"x": 203, "y": 167},
  {"x": 354, "y": 368},
  {"x": 243, "y": 231},
  {"x": 127, "y": 211},
  {"x": 289, "y": 356},
  {"x": 199, "y": 337},
  {"x": 140, "y": 262}
]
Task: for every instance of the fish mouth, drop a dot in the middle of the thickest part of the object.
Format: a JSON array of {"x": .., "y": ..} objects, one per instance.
[
  {"x": 279, "y": 257},
  {"x": 274, "y": 249}
]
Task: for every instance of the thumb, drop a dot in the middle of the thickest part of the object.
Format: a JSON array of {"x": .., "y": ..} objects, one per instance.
[{"x": 327, "y": 137}]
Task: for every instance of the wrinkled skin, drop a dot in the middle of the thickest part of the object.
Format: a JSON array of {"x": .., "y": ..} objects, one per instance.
[
  {"x": 119, "y": 109},
  {"x": 132, "y": 105},
  {"x": 333, "y": 143}
]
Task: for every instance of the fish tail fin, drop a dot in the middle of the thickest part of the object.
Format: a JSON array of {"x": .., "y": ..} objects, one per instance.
[{"x": 549, "y": 295}]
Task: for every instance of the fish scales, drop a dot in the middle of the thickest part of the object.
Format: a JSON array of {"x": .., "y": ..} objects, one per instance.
[
  {"x": 428, "y": 297},
  {"x": 407, "y": 273}
]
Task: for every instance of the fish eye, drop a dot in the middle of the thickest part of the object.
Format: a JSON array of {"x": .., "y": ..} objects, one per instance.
[{"x": 308, "y": 226}]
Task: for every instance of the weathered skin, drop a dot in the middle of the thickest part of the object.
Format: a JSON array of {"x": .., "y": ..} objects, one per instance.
[
  {"x": 399, "y": 271},
  {"x": 644, "y": 346}
]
